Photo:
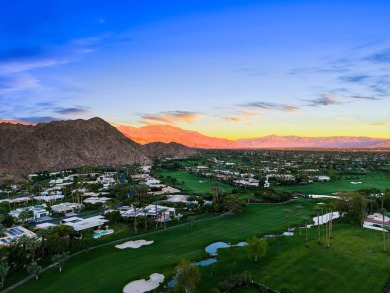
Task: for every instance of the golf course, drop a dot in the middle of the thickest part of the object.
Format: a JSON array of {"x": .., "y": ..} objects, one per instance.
[{"x": 355, "y": 261}]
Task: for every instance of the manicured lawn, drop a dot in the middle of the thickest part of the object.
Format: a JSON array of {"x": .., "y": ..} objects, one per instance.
[
  {"x": 110, "y": 269},
  {"x": 193, "y": 183},
  {"x": 348, "y": 266},
  {"x": 373, "y": 180}
]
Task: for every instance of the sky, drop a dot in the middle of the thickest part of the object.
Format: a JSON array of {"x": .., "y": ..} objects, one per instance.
[{"x": 225, "y": 68}]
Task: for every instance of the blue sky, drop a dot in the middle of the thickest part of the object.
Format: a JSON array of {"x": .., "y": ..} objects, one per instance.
[{"x": 226, "y": 68}]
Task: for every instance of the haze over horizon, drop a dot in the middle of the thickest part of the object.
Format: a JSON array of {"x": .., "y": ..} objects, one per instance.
[{"x": 228, "y": 69}]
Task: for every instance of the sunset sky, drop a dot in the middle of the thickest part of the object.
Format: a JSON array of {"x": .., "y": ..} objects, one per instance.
[{"x": 224, "y": 68}]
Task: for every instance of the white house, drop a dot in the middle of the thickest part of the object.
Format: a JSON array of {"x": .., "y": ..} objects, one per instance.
[
  {"x": 66, "y": 207},
  {"x": 49, "y": 198},
  {"x": 323, "y": 178},
  {"x": 80, "y": 224},
  {"x": 38, "y": 212},
  {"x": 376, "y": 222},
  {"x": 95, "y": 200}
]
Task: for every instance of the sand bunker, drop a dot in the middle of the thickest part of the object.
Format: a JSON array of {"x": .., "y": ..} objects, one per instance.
[
  {"x": 133, "y": 244},
  {"x": 141, "y": 286}
]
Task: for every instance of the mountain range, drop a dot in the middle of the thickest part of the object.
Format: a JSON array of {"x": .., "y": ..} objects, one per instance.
[
  {"x": 167, "y": 133},
  {"x": 60, "y": 145},
  {"x": 162, "y": 133}
]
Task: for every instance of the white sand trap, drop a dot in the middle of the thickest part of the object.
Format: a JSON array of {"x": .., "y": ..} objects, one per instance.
[
  {"x": 141, "y": 286},
  {"x": 133, "y": 244}
]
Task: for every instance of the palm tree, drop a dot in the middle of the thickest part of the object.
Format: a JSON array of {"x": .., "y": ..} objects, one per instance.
[
  {"x": 287, "y": 211},
  {"x": 43, "y": 234},
  {"x": 163, "y": 211},
  {"x": 317, "y": 209},
  {"x": 331, "y": 208},
  {"x": 135, "y": 219},
  {"x": 298, "y": 208},
  {"x": 145, "y": 211},
  {"x": 216, "y": 190},
  {"x": 34, "y": 243},
  {"x": 383, "y": 211},
  {"x": 306, "y": 220}
]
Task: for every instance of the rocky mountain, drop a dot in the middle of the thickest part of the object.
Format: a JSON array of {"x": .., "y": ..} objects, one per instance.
[
  {"x": 66, "y": 144},
  {"x": 166, "y": 133},
  {"x": 167, "y": 150}
]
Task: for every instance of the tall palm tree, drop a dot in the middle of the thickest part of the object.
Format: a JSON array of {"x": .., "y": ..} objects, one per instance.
[
  {"x": 163, "y": 211},
  {"x": 145, "y": 211},
  {"x": 383, "y": 211},
  {"x": 135, "y": 219},
  {"x": 34, "y": 243},
  {"x": 306, "y": 220},
  {"x": 298, "y": 208},
  {"x": 331, "y": 209},
  {"x": 318, "y": 209}
]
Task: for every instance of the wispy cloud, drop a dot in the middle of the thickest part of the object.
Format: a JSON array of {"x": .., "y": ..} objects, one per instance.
[
  {"x": 16, "y": 82},
  {"x": 380, "y": 57},
  {"x": 240, "y": 116},
  {"x": 354, "y": 78},
  {"x": 170, "y": 117},
  {"x": 325, "y": 100},
  {"x": 329, "y": 68},
  {"x": 378, "y": 124},
  {"x": 38, "y": 119},
  {"x": 24, "y": 59},
  {"x": 269, "y": 106},
  {"x": 366, "y": 98},
  {"x": 72, "y": 111},
  {"x": 250, "y": 71}
]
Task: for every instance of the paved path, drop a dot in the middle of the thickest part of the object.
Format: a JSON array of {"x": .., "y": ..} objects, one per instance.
[{"x": 105, "y": 244}]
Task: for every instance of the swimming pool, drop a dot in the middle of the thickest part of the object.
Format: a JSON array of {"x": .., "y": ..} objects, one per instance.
[{"x": 98, "y": 234}]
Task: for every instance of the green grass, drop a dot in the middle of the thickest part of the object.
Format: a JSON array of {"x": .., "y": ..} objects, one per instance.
[
  {"x": 372, "y": 180},
  {"x": 193, "y": 183},
  {"x": 354, "y": 263},
  {"x": 110, "y": 269}
]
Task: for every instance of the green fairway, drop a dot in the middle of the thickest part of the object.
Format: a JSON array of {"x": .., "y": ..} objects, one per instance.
[
  {"x": 110, "y": 269},
  {"x": 347, "y": 266},
  {"x": 372, "y": 180},
  {"x": 354, "y": 255},
  {"x": 193, "y": 183}
]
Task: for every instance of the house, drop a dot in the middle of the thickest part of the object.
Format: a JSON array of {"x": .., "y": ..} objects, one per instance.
[
  {"x": 376, "y": 222},
  {"x": 80, "y": 224},
  {"x": 66, "y": 207},
  {"x": 38, "y": 212},
  {"x": 14, "y": 233},
  {"x": 95, "y": 200},
  {"x": 323, "y": 178},
  {"x": 49, "y": 198},
  {"x": 159, "y": 213},
  {"x": 45, "y": 225}
]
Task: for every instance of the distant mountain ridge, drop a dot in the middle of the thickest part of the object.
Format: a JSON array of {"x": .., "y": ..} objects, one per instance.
[
  {"x": 60, "y": 145},
  {"x": 167, "y": 134}
]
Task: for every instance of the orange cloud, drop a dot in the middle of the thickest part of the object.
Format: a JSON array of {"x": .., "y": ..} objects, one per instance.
[
  {"x": 240, "y": 116},
  {"x": 171, "y": 117},
  {"x": 378, "y": 124}
]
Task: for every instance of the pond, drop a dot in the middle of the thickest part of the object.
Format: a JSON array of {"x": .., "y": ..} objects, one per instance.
[
  {"x": 212, "y": 248},
  {"x": 206, "y": 262}
]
